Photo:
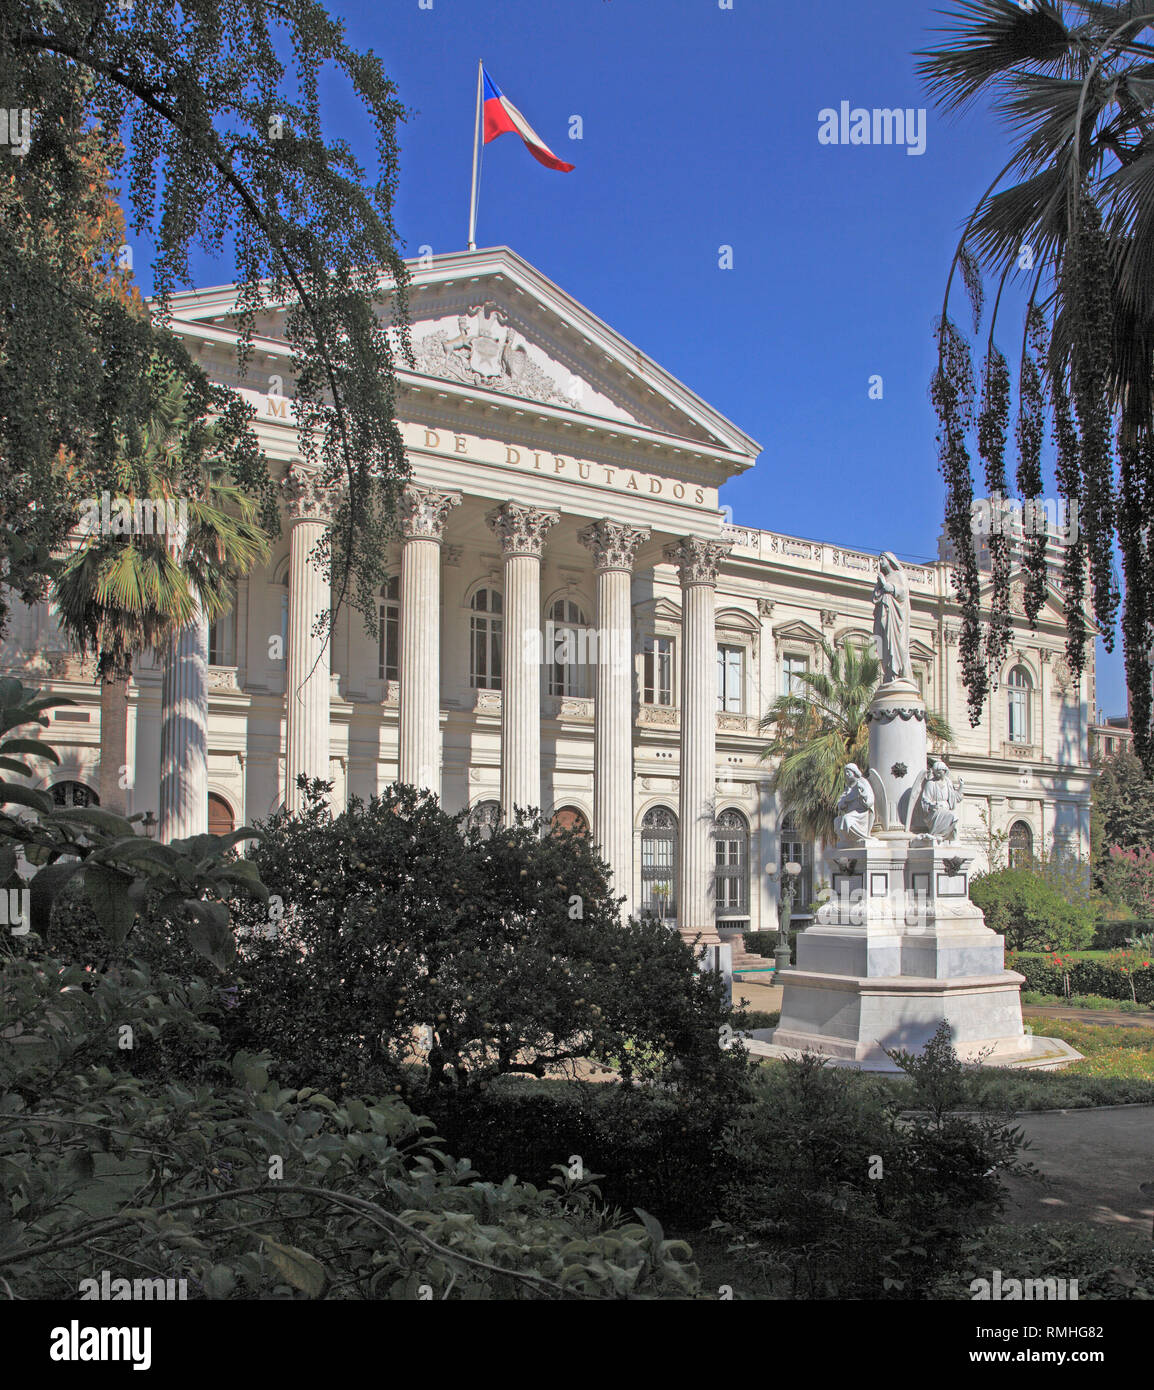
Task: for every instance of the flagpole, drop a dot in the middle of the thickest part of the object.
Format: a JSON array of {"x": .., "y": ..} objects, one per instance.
[{"x": 476, "y": 148}]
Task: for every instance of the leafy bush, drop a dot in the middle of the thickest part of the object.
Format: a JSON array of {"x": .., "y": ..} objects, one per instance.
[
  {"x": 406, "y": 938},
  {"x": 836, "y": 1193},
  {"x": 1128, "y": 875},
  {"x": 250, "y": 1190},
  {"x": 1030, "y": 913},
  {"x": 651, "y": 1148}
]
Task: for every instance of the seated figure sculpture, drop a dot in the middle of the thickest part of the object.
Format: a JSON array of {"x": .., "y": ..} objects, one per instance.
[
  {"x": 855, "y": 808},
  {"x": 940, "y": 803}
]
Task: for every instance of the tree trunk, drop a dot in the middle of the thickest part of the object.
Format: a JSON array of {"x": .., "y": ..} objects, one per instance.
[{"x": 116, "y": 770}]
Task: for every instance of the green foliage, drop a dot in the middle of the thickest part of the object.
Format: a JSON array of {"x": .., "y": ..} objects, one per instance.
[
  {"x": 1128, "y": 877},
  {"x": 1122, "y": 809},
  {"x": 251, "y": 1190},
  {"x": 1123, "y": 975},
  {"x": 226, "y": 149},
  {"x": 1105, "y": 1264},
  {"x": 1021, "y": 906},
  {"x": 835, "y": 1193},
  {"x": 1075, "y": 214},
  {"x": 409, "y": 939},
  {"x": 188, "y": 881},
  {"x": 650, "y": 1147}
]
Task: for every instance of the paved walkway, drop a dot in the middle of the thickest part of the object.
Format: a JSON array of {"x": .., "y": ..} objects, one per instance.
[{"x": 1094, "y": 1161}]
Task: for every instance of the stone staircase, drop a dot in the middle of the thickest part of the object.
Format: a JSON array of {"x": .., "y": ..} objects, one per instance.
[{"x": 747, "y": 962}]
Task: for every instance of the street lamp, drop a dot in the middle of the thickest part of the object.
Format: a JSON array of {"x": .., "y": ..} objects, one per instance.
[
  {"x": 148, "y": 824},
  {"x": 788, "y": 891}
]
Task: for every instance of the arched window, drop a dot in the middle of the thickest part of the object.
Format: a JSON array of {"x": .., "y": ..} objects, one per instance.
[
  {"x": 73, "y": 794},
  {"x": 731, "y": 857},
  {"x": 1021, "y": 845},
  {"x": 659, "y": 864},
  {"x": 485, "y": 637},
  {"x": 484, "y": 816},
  {"x": 389, "y": 632},
  {"x": 1018, "y": 688},
  {"x": 221, "y": 820},
  {"x": 566, "y": 647},
  {"x": 795, "y": 849},
  {"x": 570, "y": 818}
]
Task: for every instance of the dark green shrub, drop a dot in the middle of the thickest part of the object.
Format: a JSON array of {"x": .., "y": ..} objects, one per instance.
[
  {"x": 406, "y": 938},
  {"x": 1030, "y": 913},
  {"x": 1054, "y": 974},
  {"x": 834, "y": 1192}
]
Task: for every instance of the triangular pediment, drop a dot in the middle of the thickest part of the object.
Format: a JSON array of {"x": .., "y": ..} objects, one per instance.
[
  {"x": 489, "y": 324},
  {"x": 798, "y": 631}
]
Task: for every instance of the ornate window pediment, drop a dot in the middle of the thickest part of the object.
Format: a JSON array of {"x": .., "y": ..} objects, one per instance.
[{"x": 798, "y": 630}]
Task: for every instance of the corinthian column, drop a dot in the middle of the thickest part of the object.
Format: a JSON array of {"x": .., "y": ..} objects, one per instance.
[
  {"x": 613, "y": 545},
  {"x": 184, "y": 734},
  {"x": 307, "y": 687},
  {"x": 521, "y": 531},
  {"x": 697, "y": 562},
  {"x": 423, "y": 515}
]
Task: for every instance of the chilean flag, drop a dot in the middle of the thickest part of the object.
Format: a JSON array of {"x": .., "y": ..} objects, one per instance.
[{"x": 501, "y": 116}]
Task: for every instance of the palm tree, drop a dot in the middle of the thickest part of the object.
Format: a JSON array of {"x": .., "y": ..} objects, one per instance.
[
  {"x": 1072, "y": 211},
  {"x": 821, "y": 728},
  {"x": 119, "y": 595}
]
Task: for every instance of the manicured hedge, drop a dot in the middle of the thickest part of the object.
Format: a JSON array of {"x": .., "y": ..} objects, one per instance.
[
  {"x": 1108, "y": 935},
  {"x": 1047, "y": 976}
]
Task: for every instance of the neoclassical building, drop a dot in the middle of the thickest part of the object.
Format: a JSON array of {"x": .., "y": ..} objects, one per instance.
[{"x": 571, "y": 623}]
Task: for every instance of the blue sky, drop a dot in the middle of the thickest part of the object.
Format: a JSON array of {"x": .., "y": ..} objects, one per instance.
[{"x": 700, "y": 130}]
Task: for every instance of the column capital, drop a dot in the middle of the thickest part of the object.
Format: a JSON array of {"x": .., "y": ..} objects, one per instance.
[
  {"x": 698, "y": 561},
  {"x": 613, "y": 543},
  {"x": 307, "y": 498},
  {"x": 424, "y": 511},
  {"x": 521, "y": 530}
]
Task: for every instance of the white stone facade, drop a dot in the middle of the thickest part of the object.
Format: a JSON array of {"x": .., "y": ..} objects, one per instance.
[{"x": 561, "y": 475}]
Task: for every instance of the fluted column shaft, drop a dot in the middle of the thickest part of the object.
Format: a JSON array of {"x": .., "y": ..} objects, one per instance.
[
  {"x": 613, "y": 546},
  {"x": 698, "y": 562},
  {"x": 522, "y": 533},
  {"x": 184, "y": 734},
  {"x": 423, "y": 514},
  {"x": 308, "y": 685}
]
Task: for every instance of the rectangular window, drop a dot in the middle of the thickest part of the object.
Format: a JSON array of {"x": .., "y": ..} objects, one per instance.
[
  {"x": 731, "y": 679},
  {"x": 389, "y": 642},
  {"x": 792, "y": 667},
  {"x": 222, "y": 639},
  {"x": 485, "y": 653},
  {"x": 1019, "y": 716},
  {"x": 657, "y": 671}
]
